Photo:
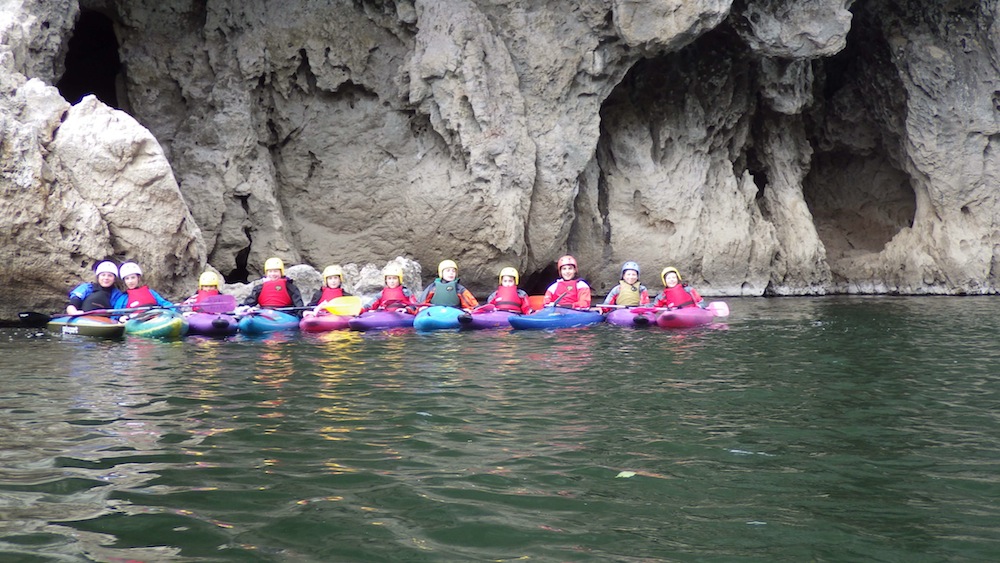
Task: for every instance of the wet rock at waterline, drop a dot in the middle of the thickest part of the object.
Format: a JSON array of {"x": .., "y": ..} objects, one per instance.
[{"x": 762, "y": 147}]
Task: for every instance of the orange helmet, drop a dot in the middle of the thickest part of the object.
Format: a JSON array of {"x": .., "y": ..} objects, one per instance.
[{"x": 566, "y": 260}]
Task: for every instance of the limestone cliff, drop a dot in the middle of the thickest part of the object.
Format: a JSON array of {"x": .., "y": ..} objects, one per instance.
[{"x": 780, "y": 147}]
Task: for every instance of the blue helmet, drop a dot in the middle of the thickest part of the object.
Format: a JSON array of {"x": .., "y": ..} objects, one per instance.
[{"x": 630, "y": 265}]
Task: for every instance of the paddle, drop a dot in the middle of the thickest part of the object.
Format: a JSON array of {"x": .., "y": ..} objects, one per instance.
[
  {"x": 214, "y": 304},
  {"x": 346, "y": 306},
  {"x": 718, "y": 308},
  {"x": 536, "y": 302},
  {"x": 211, "y": 304}
]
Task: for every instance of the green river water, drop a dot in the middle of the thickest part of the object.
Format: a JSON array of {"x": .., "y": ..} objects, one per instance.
[{"x": 802, "y": 429}]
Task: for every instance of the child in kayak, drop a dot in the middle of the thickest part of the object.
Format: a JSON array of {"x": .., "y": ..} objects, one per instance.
[
  {"x": 394, "y": 295},
  {"x": 208, "y": 286},
  {"x": 568, "y": 290},
  {"x": 508, "y": 297},
  {"x": 676, "y": 295},
  {"x": 446, "y": 289},
  {"x": 629, "y": 292},
  {"x": 100, "y": 294},
  {"x": 276, "y": 291},
  {"x": 333, "y": 279},
  {"x": 139, "y": 294}
]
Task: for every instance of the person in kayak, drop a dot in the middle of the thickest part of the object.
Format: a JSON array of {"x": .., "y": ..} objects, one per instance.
[
  {"x": 508, "y": 297},
  {"x": 333, "y": 280},
  {"x": 139, "y": 294},
  {"x": 276, "y": 290},
  {"x": 629, "y": 292},
  {"x": 446, "y": 289},
  {"x": 394, "y": 295},
  {"x": 208, "y": 286},
  {"x": 568, "y": 290},
  {"x": 100, "y": 294},
  {"x": 676, "y": 295}
]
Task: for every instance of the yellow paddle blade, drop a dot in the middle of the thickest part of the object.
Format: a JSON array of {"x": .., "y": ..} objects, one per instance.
[{"x": 347, "y": 306}]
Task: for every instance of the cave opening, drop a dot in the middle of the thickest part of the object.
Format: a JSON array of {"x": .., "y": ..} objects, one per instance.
[
  {"x": 857, "y": 191},
  {"x": 92, "y": 63},
  {"x": 536, "y": 283}
]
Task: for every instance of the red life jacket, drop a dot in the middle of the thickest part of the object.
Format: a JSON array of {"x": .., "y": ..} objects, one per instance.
[
  {"x": 569, "y": 289},
  {"x": 205, "y": 293},
  {"x": 393, "y": 297},
  {"x": 507, "y": 299},
  {"x": 679, "y": 296},
  {"x": 331, "y": 293},
  {"x": 140, "y": 297},
  {"x": 274, "y": 293}
]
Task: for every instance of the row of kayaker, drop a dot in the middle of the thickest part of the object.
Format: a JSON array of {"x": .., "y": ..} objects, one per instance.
[
  {"x": 568, "y": 291},
  {"x": 278, "y": 291}
]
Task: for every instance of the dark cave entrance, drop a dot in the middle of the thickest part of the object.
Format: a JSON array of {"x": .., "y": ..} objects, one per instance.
[
  {"x": 92, "y": 63},
  {"x": 858, "y": 193}
]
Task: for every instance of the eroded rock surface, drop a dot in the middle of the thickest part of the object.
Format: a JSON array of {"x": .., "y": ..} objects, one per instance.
[{"x": 761, "y": 146}]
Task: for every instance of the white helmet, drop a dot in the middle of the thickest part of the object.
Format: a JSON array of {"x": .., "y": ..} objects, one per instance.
[
  {"x": 129, "y": 268},
  {"x": 106, "y": 267}
]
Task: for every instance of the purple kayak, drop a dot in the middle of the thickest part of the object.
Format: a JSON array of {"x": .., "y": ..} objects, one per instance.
[
  {"x": 381, "y": 320},
  {"x": 633, "y": 316},
  {"x": 486, "y": 319},
  {"x": 211, "y": 324}
]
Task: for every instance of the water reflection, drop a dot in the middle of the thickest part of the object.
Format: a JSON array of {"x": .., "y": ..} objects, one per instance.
[{"x": 838, "y": 429}]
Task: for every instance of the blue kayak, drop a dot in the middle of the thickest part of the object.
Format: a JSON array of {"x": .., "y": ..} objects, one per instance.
[
  {"x": 438, "y": 317},
  {"x": 268, "y": 320},
  {"x": 555, "y": 317}
]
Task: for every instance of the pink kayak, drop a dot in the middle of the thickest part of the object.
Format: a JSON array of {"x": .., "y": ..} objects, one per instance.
[
  {"x": 633, "y": 316},
  {"x": 324, "y": 322},
  {"x": 685, "y": 318}
]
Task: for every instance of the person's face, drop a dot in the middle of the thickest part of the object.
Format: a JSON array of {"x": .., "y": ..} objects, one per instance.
[
  {"x": 333, "y": 281},
  {"x": 630, "y": 276},
  {"x": 670, "y": 279},
  {"x": 105, "y": 279},
  {"x": 132, "y": 281},
  {"x": 207, "y": 288},
  {"x": 273, "y": 274},
  {"x": 391, "y": 281},
  {"x": 507, "y": 281},
  {"x": 567, "y": 272},
  {"x": 448, "y": 274}
]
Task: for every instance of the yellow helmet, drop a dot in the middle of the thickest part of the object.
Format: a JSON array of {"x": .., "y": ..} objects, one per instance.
[
  {"x": 333, "y": 271},
  {"x": 274, "y": 264},
  {"x": 208, "y": 278},
  {"x": 667, "y": 270},
  {"x": 508, "y": 271},
  {"x": 393, "y": 269},
  {"x": 446, "y": 264}
]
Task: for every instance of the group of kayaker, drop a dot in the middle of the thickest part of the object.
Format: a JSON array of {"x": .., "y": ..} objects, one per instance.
[
  {"x": 279, "y": 291},
  {"x": 105, "y": 294}
]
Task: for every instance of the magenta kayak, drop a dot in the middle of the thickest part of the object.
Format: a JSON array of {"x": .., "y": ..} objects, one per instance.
[
  {"x": 381, "y": 320},
  {"x": 634, "y": 316},
  {"x": 324, "y": 322},
  {"x": 685, "y": 318}
]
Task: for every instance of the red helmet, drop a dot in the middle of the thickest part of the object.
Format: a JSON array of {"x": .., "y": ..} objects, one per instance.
[{"x": 566, "y": 260}]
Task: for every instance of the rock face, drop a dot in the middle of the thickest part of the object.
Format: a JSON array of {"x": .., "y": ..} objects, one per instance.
[{"x": 764, "y": 147}]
